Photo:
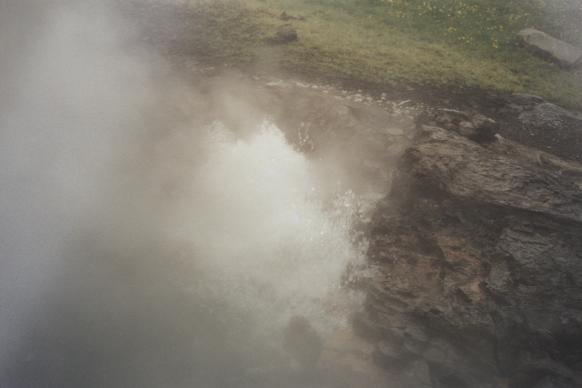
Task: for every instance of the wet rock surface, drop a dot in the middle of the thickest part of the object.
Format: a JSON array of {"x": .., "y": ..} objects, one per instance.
[
  {"x": 536, "y": 123},
  {"x": 478, "y": 266}
]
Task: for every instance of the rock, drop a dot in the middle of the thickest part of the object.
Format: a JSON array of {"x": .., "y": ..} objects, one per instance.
[
  {"x": 533, "y": 122},
  {"x": 477, "y": 265},
  {"x": 285, "y": 34},
  {"x": 546, "y": 116},
  {"x": 474, "y": 126},
  {"x": 561, "y": 52},
  {"x": 481, "y": 175},
  {"x": 523, "y": 102},
  {"x": 556, "y": 129}
]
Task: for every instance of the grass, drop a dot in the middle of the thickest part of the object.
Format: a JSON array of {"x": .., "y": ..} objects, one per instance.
[{"x": 452, "y": 44}]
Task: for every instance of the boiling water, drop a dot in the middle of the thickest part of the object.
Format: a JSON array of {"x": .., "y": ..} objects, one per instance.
[{"x": 253, "y": 215}]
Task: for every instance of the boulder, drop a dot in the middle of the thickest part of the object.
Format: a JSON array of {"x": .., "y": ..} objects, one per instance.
[{"x": 559, "y": 51}]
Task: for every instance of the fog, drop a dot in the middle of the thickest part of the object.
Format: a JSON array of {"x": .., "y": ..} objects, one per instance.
[{"x": 144, "y": 242}]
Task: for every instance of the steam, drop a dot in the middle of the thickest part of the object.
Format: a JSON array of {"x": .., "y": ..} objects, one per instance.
[
  {"x": 144, "y": 242},
  {"x": 70, "y": 104},
  {"x": 251, "y": 210}
]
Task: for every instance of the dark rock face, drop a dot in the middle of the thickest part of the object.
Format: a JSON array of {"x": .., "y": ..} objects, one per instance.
[
  {"x": 466, "y": 170},
  {"x": 478, "y": 266},
  {"x": 536, "y": 123},
  {"x": 557, "y": 127}
]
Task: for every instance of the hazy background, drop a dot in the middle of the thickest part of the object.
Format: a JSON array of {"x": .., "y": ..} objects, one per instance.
[{"x": 143, "y": 242}]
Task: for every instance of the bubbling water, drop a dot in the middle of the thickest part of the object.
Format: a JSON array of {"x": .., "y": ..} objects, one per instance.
[{"x": 253, "y": 215}]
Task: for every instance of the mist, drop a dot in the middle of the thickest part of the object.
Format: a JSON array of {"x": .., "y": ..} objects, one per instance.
[{"x": 146, "y": 241}]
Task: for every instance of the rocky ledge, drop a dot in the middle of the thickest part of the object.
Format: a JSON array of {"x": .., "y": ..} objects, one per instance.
[{"x": 477, "y": 261}]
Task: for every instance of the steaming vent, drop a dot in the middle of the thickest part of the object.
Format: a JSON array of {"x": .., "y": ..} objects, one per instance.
[{"x": 146, "y": 242}]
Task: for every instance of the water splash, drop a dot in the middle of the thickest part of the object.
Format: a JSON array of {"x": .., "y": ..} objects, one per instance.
[{"x": 255, "y": 219}]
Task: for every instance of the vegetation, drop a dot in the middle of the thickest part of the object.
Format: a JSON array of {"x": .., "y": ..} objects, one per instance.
[{"x": 455, "y": 44}]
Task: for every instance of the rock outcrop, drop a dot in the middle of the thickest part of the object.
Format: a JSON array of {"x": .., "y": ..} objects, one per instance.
[
  {"x": 559, "y": 51},
  {"x": 478, "y": 266},
  {"x": 531, "y": 121}
]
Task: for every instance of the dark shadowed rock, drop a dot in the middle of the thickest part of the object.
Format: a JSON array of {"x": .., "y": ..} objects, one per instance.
[
  {"x": 536, "y": 123},
  {"x": 478, "y": 271},
  {"x": 546, "y": 116},
  {"x": 558, "y": 129}
]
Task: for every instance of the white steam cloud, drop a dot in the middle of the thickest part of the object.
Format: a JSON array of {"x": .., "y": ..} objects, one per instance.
[
  {"x": 70, "y": 102},
  {"x": 142, "y": 242}
]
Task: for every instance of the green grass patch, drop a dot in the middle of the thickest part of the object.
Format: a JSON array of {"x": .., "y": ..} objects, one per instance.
[{"x": 454, "y": 44}]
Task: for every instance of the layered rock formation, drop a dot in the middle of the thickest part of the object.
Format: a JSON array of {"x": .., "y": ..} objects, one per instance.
[{"x": 478, "y": 265}]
